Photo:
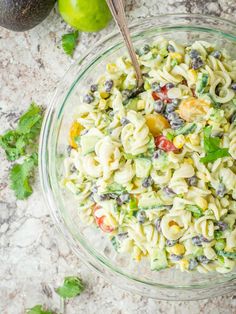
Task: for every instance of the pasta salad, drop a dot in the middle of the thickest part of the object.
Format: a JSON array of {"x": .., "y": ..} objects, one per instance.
[{"x": 155, "y": 168}]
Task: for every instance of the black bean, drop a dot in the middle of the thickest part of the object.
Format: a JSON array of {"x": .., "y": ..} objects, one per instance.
[
  {"x": 170, "y": 85},
  {"x": 122, "y": 235},
  {"x": 88, "y": 99},
  {"x": 103, "y": 197},
  {"x": 216, "y": 54},
  {"x": 159, "y": 106},
  {"x": 107, "y": 196},
  {"x": 170, "y": 107},
  {"x": 158, "y": 224},
  {"x": 172, "y": 116},
  {"x": 157, "y": 153},
  {"x": 194, "y": 54},
  {"x": 170, "y": 48},
  {"x": 141, "y": 216},
  {"x": 156, "y": 87},
  {"x": 176, "y": 258},
  {"x": 233, "y": 86},
  {"x": 91, "y": 197},
  {"x": 143, "y": 50},
  {"x": 94, "y": 88},
  {"x": 192, "y": 181},
  {"x": 72, "y": 168},
  {"x": 197, "y": 240},
  {"x": 171, "y": 242},
  {"x": 69, "y": 148},
  {"x": 203, "y": 259},
  {"x": 222, "y": 225},
  {"x": 94, "y": 189},
  {"x": 126, "y": 93},
  {"x": 108, "y": 85},
  {"x": 205, "y": 239},
  {"x": 113, "y": 196},
  {"x": 197, "y": 63},
  {"x": 123, "y": 198},
  {"x": 221, "y": 190},
  {"x": 147, "y": 182},
  {"x": 124, "y": 121},
  {"x": 192, "y": 264},
  {"x": 168, "y": 191},
  {"x": 177, "y": 124}
]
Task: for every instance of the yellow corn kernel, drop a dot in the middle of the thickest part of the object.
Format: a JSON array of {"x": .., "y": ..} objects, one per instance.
[
  {"x": 178, "y": 249},
  {"x": 111, "y": 68},
  {"x": 137, "y": 254},
  {"x": 141, "y": 104},
  {"x": 188, "y": 161},
  {"x": 104, "y": 95},
  {"x": 226, "y": 127},
  {"x": 192, "y": 74},
  {"x": 184, "y": 264},
  {"x": 179, "y": 141},
  {"x": 194, "y": 139},
  {"x": 201, "y": 202},
  {"x": 177, "y": 56}
]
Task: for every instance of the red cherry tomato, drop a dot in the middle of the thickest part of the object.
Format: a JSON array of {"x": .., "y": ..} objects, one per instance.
[
  {"x": 164, "y": 144},
  {"x": 100, "y": 221},
  {"x": 161, "y": 95}
]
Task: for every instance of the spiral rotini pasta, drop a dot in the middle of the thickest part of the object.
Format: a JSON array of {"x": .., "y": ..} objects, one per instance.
[{"x": 155, "y": 168}]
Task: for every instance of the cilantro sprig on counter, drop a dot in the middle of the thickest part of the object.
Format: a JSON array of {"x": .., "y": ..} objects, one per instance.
[
  {"x": 38, "y": 309},
  {"x": 69, "y": 42},
  {"x": 23, "y": 142},
  {"x": 72, "y": 287},
  {"x": 212, "y": 147}
]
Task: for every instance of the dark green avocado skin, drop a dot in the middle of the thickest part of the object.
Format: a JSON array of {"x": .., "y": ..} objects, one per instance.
[{"x": 21, "y": 15}]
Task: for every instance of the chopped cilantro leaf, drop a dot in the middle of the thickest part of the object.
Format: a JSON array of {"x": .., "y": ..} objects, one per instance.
[
  {"x": 195, "y": 210},
  {"x": 15, "y": 142},
  {"x": 38, "y": 309},
  {"x": 212, "y": 147},
  {"x": 69, "y": 42},
  {"x": 72, "y": 287},
  {"x": 20, "y": 176}
]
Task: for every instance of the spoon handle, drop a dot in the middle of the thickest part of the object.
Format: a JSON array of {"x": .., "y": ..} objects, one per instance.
[{"x": 118, "y": 12}]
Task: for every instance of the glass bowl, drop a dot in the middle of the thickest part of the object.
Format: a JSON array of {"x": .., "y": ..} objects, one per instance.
[{"x": 88, "y": 243}]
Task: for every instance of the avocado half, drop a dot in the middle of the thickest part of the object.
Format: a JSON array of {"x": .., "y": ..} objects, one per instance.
[{"x": 21, "y": 15}]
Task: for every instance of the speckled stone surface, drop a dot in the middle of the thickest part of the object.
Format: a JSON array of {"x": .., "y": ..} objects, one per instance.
[{"x": 33, "y": 257}]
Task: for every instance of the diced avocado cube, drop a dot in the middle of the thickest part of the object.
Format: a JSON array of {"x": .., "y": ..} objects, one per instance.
[
  {"x": 142, "y": 167},
  {"x": 88, "y": 143},
  {"x": 159, "y": 260}
]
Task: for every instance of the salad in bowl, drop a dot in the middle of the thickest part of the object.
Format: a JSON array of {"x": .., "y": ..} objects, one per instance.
[{"x": 155, "y": 169}]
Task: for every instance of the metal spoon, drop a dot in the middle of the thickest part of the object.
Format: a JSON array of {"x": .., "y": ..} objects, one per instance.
[{"x": 118, "y": 12}]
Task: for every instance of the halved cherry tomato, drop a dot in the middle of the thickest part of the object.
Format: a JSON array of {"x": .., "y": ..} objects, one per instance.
[
  {"x": 100, "y": 221},
  {"x": 164, "y": 144},
  {"x": 161, "y": 95}
]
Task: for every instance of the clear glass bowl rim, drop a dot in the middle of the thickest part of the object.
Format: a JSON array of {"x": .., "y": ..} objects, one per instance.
[{"x": 44, "y": 150}]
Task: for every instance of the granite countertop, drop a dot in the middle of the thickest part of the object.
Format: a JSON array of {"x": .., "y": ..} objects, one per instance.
[{"x": 34, "y": 258}]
